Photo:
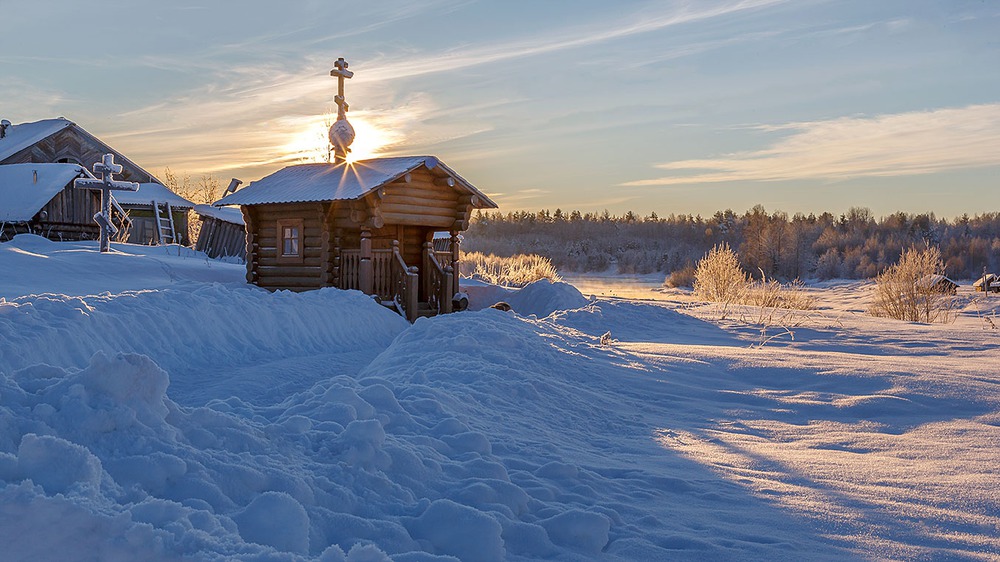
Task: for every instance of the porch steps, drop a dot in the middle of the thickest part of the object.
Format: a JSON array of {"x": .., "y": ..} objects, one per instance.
[{"x": 423, "y": 309}]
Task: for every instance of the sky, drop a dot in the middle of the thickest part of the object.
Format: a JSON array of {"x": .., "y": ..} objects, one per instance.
[{"x": 684, "y": 107}]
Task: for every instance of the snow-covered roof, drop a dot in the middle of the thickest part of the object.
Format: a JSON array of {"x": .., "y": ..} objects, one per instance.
[
  {"x": 148, "y": 192},
  {"x": 337, "y": 182},
  {"x": 932, "y": 280},
  {"x": 227, "y": 214},
  {"x": 26, "y": 188},
  {"x": 21, "y": 136},
  {"x": 990, "y": 278}
]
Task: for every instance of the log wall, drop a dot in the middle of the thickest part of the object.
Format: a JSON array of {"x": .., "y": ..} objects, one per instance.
[
  {"x": 263, "y": 265},
  {"x": 421, "y": 202}
]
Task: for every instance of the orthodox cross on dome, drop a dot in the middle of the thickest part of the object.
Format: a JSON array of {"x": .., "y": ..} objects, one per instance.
[
  {"x": 106, "y": 183},
  {"x": 341, "y": 132}
]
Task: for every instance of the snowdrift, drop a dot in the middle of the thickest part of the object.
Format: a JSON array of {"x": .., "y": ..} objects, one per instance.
[{"x": 209, "y": 420}]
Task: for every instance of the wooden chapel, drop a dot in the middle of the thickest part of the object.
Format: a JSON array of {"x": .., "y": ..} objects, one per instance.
[{"x": 367, "y": 225}]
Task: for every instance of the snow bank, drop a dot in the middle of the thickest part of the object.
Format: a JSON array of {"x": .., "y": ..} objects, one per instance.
[
  {"x": 395, "y": 460},
  {"x": 193, "y": 333},
  {"x": 540, "y": 298},
  {"x": 34, "y": 265}
]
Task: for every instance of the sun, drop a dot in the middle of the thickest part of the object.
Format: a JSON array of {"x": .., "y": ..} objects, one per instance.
[
  {"x": 311, "y": 144},
  {"x": 369, "y": 140}
]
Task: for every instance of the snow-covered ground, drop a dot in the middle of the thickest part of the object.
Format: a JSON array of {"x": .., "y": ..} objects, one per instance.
[{"x": 155, "y": 407}]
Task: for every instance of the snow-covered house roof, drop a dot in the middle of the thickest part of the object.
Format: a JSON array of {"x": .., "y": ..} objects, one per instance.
[
  {"x": 81, "y": 146},
  {"x": 26, "y": 188},
  {"x": 21, "y": 136},
  {"x": 337, "y": 182},
  {"x": 936, "y": 280},
  {"x": 149, "y": 192},
  {"x": 226, "y": 214},
  {"x": 990, "y": 279}
]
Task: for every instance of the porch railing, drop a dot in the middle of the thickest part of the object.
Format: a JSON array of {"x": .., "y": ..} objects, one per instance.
[
  {"x": 393, "y": 280},
  {"x": 437, "y": 281},
  {"x": 350, "y": 271},
  {"x": 405, "y": 283}
]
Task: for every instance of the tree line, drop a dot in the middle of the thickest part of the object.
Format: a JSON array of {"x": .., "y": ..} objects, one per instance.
[{"x": 854, "y": 245}]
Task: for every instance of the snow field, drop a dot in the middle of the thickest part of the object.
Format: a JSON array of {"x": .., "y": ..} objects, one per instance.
[{"x": 348, "y": 434}]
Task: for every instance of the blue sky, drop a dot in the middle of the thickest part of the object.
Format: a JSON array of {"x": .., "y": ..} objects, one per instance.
[{"x": 673, "y": 107}]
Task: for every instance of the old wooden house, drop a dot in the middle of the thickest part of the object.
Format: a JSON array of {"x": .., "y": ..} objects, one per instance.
[
  {"x": 40, "y": 199},
  {"x": 223, "y": 233},
  {"x": 989, "y": 283},
  {"x": 68, "y": 213},
  {"x": 937, "y": 283},
  {"x": 366, "y": 225}
]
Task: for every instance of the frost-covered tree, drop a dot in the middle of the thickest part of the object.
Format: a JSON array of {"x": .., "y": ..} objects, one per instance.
[
  {"x": 908, "y": 290},
  {"x": 719, "y": 277}
]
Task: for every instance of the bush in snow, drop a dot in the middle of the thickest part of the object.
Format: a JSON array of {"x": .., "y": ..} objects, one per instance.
[
  {"x": 515, "y": 271},
  {"x": 768, "y": 293},
  {"x": 683, "y": 277},
  {"x": 903, "y": 290},
  {"x": 718, "y": 276}
]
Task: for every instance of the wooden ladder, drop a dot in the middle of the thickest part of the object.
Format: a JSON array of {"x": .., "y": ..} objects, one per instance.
[{"x": 164, "y": 224}]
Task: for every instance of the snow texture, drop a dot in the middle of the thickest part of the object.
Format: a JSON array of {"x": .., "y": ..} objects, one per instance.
[{"x": 188, "y": 416}]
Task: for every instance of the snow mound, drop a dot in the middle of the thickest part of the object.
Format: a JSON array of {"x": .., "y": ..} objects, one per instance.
[
  {"x": 461, "y": 531},
  {"x": 540, "y": 298},
  {"x": 191, "y": 333},
  {"x": 58, "y": 466},
  {"x": 412, "y": 458},
  {"x": 275, "y": 519}
]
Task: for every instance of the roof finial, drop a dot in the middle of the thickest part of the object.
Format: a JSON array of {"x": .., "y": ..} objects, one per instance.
[{"x": 341, "y": 132}]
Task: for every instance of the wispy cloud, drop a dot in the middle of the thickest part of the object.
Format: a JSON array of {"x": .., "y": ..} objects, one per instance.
[
  {"x": 248, "y": 115},
  {"x": 567, "y": 39},
  {"x": 919, "y": 142}
]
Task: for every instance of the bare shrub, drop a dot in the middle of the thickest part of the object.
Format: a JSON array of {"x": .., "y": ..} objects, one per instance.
[
  {"x": 514, "y": 271},
  {"x": 902, "y": 291},
  {"x": 204, "y": 191},
  {"x": 718, "y": 276},
  {"x": 768, "y": 293},
  {"x": 681, "y": 277}
]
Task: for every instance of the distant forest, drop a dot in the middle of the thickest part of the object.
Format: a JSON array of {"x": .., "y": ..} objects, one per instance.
[{"x": 854, "y": 245}]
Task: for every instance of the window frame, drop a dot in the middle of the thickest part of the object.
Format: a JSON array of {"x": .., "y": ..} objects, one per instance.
[{"x": 282, "y": 224}]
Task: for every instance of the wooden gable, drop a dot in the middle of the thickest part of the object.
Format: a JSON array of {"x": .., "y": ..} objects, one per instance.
[{"x": 76, "y": 146}]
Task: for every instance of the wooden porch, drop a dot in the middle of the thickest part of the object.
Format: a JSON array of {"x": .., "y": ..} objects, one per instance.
[{"x": 412, "y": 290}]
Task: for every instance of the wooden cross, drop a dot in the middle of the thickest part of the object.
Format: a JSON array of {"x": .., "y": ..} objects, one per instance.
[
  {"x": 107, "y": 168},
  {"x": 341, "y": 132},
  {"x": 341, "y": 72}
]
